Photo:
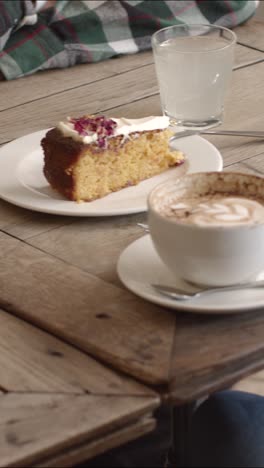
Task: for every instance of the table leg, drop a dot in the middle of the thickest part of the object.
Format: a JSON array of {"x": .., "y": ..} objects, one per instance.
[{"x": 181, "y": 422}]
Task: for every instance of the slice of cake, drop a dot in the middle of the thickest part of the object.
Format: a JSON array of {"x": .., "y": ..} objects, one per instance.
[{"x": 89, "y": 157}]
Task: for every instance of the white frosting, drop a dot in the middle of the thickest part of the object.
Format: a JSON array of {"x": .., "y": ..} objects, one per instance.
[
  {"x": 124, "y": 127},
  {"x": 67, "y": 128}
]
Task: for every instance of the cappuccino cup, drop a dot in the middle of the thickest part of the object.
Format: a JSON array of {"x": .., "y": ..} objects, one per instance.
[{"x": 208, "y": 228}]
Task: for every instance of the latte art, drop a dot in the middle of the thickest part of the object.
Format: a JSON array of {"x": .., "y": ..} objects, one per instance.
[
  {"x": 208, "y": 227},
  {"x": 214, "y": 210}
]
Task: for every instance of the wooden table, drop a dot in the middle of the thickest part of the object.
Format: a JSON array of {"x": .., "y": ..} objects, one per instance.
[{"x": 83, "y": 362}]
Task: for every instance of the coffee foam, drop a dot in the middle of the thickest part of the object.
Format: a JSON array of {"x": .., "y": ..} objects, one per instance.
[
  {"x": 216, "y": 210},
  {"x": 216, "y": 199}
]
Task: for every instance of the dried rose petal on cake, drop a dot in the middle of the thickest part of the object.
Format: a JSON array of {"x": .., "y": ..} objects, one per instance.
[{"x": 102, "y": 126}]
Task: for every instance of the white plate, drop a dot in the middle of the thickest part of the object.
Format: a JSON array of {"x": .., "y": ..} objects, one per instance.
[
  {"x": 22, "y": 181},
  {"x": 139, "y": 266}
]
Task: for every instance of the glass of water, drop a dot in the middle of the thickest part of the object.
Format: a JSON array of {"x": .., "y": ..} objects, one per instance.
[{"x": 194, "y": 65}]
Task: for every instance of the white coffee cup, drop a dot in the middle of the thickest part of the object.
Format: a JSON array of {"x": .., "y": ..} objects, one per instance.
[{"x": 212, "y": 255}]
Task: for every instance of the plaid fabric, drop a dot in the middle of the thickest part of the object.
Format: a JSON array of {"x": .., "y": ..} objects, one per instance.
[{"x": 71, "y": 32}]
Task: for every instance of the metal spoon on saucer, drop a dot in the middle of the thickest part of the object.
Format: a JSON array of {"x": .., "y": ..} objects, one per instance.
[{"x": 180, "y": 295}]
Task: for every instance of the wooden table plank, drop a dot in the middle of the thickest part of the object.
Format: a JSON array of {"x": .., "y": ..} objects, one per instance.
[
  {"x": 89, "y": 450},
  {"x": 34, "y": 426},
  {"x": 113, "y": 235},
  {"x": 24, "y": 223},
  {"x": 211, "y": 353},
  {"x": 34, "y": 361},
  {"x": 38, "y": 86},
  {"x": 245, "y": 56},
  {"x": 235, "y": 342},
  {"x": 108, "y": 322},
  {"x": 254, "y": 165},
  {"x": 124, "y": 88},
  {"x": 251, "y": 34},
  {"x": 130, "y": 86},
  {"x": 250, "y": 385}
]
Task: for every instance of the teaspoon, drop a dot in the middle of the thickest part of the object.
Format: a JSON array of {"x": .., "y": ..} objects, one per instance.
[{"x": 180, "y": 295}]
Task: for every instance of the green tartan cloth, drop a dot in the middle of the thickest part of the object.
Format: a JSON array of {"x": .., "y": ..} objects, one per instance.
[{"x": 72, "y": 32}]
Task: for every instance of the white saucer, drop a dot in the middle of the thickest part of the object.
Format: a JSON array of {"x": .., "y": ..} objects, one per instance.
[{"x": 139, "y": 266}]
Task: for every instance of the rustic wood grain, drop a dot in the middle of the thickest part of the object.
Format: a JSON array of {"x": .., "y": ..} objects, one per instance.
[
  {"x": 11, "y": 215},
  {"x": 99, "y": 96},
  {"x": 251, "y": 34},
  {"x": 22, "y": 223},
  {"x": 249, "y": 166},
  {"x": 211, "y": 353},
  {"x": 250, "y": 385},
  {"x": 34, "y": 361},
  {"x": 235, "y": 342},
  {"x": 108, "y": 322},
  {"x": 100, "y": 242},
  {"x": 259, "y": 376},
  {"x": 91, "y": 449},
  {"x": 34, "y": 426},
  {"x": 38, "y": 86},
  {"x": 259, "y": 15}
]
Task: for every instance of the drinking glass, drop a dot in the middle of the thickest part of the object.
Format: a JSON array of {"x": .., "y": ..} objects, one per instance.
[{"x": 193, "y": 65}]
